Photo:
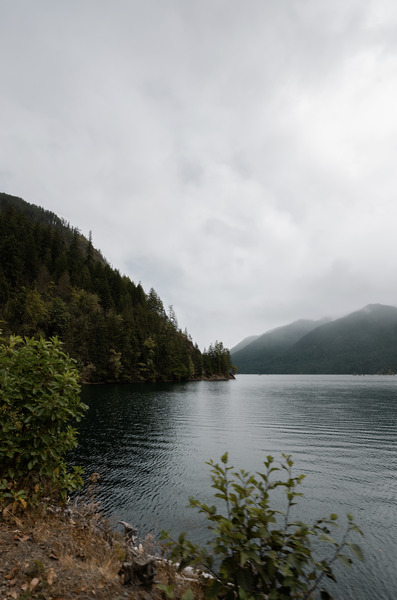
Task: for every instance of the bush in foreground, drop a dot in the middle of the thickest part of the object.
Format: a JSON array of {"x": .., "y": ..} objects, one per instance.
[
  {"x": 256, "y": 551},
  {"x": 39, "y": 397}
]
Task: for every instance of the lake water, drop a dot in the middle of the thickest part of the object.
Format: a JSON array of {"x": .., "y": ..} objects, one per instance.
[{"x": 150, "y": 443}]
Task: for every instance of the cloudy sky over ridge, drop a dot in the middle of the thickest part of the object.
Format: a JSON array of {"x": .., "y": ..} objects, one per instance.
[{"x": 239, "y": 157}]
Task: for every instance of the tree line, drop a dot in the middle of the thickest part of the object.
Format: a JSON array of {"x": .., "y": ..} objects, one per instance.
[{"x": 53, "y": 282}]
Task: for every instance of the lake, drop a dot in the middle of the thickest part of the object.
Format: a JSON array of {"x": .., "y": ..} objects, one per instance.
[{"x": 150, "y": 443}]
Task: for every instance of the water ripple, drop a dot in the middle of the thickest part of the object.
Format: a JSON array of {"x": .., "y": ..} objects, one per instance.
[{"x": 150, "y": 444}]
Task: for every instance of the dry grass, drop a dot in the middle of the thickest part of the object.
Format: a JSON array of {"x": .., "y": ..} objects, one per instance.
[
  {"x": 69, "y": 555},
  {"x": 67, "y": 559},
  {"x": 167, "y": 575}
]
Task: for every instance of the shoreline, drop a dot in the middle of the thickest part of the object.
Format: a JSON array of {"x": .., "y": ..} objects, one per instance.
[
  {"x": 217, "y": 377},
  {"x": 73, "y": 553}
]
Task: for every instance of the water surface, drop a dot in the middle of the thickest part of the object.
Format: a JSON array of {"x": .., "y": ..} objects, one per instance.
[{"x": 150, "y": 444}]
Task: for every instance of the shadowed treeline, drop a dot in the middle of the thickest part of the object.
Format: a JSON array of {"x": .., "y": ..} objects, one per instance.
[{"x": 53, "y": 282}]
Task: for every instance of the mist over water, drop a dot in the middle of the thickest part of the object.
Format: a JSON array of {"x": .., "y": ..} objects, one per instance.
[{"x": 150, "y": 443}]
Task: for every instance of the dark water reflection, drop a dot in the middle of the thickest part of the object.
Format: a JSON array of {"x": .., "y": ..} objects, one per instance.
[{"x": 150, "y": 444}]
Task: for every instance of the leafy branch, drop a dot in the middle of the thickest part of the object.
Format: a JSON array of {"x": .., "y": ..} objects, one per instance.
[{"x": 256, "y": 551}]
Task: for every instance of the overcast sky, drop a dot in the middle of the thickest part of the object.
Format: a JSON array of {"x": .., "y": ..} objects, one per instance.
[{"x": 238, "y": 157}]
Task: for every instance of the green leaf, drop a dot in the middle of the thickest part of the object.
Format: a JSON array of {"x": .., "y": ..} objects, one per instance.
[
  {"x": 224, "y": 458},
  {"x": 221, "y": 496},
  {"x": 345, "y": 560},
  {"x": 357, "y": 551},
  {"x": 324, "y": 537}
]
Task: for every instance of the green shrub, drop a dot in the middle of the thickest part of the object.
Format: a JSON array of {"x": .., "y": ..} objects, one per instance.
[
  {"x": 256, "y": 551},
  {"x": 39, "y": 397}
]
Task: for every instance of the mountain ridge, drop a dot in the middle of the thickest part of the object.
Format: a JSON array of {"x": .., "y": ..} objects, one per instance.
[{"x": 364, "y": 341}]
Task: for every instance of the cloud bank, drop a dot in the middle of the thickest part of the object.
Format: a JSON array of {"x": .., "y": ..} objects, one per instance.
[{"x": 239, "y": 158}]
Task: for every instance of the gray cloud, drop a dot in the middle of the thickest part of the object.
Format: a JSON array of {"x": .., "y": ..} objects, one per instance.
[{"x": 237, "y": 158}]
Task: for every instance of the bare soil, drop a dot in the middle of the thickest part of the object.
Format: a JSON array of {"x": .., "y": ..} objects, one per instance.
[{"x": 58, "y": 555}]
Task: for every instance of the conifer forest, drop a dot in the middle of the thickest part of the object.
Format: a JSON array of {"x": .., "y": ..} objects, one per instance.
[{"x": 53, "y": 282}]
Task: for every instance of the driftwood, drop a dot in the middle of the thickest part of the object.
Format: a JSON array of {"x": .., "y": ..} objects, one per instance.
[
  {"x": 130, "y": 532},
  {"x": 140, "y": 571}
]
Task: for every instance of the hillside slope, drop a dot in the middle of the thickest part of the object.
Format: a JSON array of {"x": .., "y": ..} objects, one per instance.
[
  {"x": 255, "y": 356},
  {"x": 245, "y": 342},
  {"x": 362, "y": 342},
  {"x": 54, "y": 282}
]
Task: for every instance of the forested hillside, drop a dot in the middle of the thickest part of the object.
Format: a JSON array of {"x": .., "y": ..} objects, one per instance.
[
  {"x": 364, "y": 342},
  {"x": 53, "y": 282},
  {"x": 254, "y": 357}
]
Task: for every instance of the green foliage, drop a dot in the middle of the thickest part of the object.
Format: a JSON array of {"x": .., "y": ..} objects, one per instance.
[
  {"x": 39, "y": 397},
  {"x": 217, "y": 361},
  {"x": 54, "y": 282},
  {"x": 256, "y": 551}
]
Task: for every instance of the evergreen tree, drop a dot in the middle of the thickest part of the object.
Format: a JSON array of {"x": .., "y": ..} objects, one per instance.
[{"x": 54, "y": 282}]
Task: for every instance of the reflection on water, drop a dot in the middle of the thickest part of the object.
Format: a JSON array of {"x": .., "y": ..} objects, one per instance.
[{"x": 150, "y": 444}]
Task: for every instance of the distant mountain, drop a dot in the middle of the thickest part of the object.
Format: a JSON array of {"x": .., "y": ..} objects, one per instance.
[
  {"x": 363, "y": 342},
  {"x": 254, "y": 357},
  {"x": 244, "y": 343}
]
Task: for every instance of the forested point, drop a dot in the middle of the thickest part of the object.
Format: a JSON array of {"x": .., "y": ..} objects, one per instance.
[{"x": 53, "y": 282}]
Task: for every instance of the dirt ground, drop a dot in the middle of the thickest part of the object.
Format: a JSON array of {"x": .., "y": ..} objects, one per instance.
[{"x": 62, "y": 555}]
